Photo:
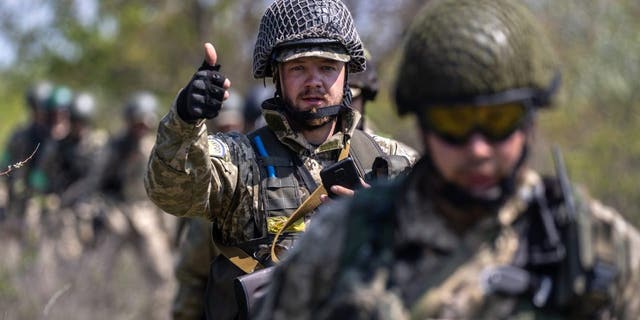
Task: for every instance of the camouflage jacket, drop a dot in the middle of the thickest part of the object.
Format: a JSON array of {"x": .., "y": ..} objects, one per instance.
[
  {"x": 401, "y": 258},
  {"x": 193, "y": 174}
]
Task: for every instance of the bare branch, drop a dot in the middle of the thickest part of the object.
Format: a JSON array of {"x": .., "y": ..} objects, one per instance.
[{"x": 20, "y": 164}]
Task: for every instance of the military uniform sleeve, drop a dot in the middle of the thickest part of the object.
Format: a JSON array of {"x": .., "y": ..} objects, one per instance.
[
  {"x": 180, "y": 174},
  {"x": 303, "y": 281},
  {"x": 393, "y": 147},
  {"x": 616, "y": 242}
]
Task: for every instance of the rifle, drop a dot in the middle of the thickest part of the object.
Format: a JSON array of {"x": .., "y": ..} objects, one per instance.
[
  {"x": 249, "y": 289},
  {"x": 571, "y": 277}
]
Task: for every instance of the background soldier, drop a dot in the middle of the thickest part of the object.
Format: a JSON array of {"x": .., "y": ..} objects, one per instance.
[
  {"x": 472, "y": 232},
  {"x": 364, "y": 88},
  {"x": 68, "y": 160},
  {"x": 249, "y": 185},
  {"x": 22, "y": 143}
]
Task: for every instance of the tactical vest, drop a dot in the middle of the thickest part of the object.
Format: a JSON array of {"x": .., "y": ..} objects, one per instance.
[
  {"x": 281, "y": 172},
  {"x": 540, "y": 271}
]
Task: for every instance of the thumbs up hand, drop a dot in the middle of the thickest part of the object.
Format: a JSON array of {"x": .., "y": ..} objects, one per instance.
[{"x": 202, "y": 97}]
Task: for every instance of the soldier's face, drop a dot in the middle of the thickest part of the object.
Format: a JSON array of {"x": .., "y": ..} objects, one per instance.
[
  {"x": 477, "y": 165},
  {"x": 311, "y": 83}
]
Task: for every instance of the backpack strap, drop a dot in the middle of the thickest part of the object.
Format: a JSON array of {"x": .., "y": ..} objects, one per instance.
[{"x": 364, "y": 151}]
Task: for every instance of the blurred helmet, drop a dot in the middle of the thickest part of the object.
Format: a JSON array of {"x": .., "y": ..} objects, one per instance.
[
  {"x": 141, "y": 107},
  {"x": 253, "y": 102},
  {"x": 60, "y": 98},
  {"x": 232, "y": 111},
  {"x": 83, "y": 108},
  {"x": 475, "y": 52},
  {"x": 365, "y": 83},
  {"x": 38, "y": 93},
  {"x": 291, "y": 29}
]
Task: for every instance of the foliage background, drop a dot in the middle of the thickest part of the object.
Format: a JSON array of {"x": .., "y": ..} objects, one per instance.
[{"x": 119, "y": 47}]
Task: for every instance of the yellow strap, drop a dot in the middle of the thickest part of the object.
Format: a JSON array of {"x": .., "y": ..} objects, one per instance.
[
  {"x": 309, "y": 204},
  {"x": 241, "y": 259}
]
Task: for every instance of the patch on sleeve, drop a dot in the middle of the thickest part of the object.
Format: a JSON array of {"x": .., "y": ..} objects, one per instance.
[{"x": 217, "y": 148}]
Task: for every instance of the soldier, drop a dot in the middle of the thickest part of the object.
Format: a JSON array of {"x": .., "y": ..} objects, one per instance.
[
  {"x": 125, "y": 218},
  {"x": 231, "y": 117},
  {"x": 22, "y": 143},
  {"x": 248, "y": 185},
  {"x": 68, "y": 160},
  {"x": 364, "y": 88},
  {"x": 253, "y": 117},
  {"x": 472, "y": 232}
]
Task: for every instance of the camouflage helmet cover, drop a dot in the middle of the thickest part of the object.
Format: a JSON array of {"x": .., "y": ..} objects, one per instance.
[
  {"x": 322, "y": 22},
  {"x": 475, "y": 51}
]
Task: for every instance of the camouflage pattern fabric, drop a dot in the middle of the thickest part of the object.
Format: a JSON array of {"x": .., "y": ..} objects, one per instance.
[
  {"x": 191, "y": 174},
  {"x": 425, "y": 269},
  {"x": 197, "y": 250}
]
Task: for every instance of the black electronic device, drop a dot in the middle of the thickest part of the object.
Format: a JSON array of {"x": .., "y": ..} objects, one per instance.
[{"x": 343, "y": 173}]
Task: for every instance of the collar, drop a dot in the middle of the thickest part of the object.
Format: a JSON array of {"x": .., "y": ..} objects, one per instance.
[{"x": 277, "y": 121}]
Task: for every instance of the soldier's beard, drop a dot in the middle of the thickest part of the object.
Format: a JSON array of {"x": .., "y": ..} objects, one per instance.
[{"x": 304, "y": 120}]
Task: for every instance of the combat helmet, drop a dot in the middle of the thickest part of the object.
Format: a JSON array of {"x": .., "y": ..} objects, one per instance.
[
  {"x": 306, "y": 24},
  {"x": 141, "y": 107},
  {"x": 475, "y": 52},
  {"x": 83, "y": 108},
  {"x": 253, "y": 102},
  {"x": 38, "y": 93},
  {"x": 60, "y": 98},
  {"x": 366, "y": 82}
]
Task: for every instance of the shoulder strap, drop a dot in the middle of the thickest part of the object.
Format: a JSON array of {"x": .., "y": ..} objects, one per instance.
[{"x": 364, "y": 151}]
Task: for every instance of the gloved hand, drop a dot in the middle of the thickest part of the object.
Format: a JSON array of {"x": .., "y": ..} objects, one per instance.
[{"x": 202, "y": 97}]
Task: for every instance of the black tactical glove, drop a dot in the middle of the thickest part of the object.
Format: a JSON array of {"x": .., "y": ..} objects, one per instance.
[{"x": 202, "y": 97}]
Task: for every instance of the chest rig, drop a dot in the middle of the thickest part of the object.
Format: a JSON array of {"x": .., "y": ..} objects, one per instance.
[
  {"x": 285, "y": 182},
  {"x": 549, "y": 271}
]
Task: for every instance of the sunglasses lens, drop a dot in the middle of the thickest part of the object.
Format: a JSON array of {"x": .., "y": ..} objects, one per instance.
[
  {"x": 455, "y": 124},
  {"x": 499, "y": 122}
]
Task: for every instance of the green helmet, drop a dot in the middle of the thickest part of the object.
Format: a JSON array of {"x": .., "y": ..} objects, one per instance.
[
  {"x": 475, "y": 52},
  {"x": 309, "y": 25},
  {"x": 61, "y": 98}
]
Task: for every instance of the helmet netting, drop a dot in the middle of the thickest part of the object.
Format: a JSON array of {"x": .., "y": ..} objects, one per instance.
[{"x": 288, "y": 20}]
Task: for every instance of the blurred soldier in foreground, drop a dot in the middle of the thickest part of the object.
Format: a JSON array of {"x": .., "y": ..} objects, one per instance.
[
  {"x": 472, "y": 232},
  {"x": 248, "y": 185}
]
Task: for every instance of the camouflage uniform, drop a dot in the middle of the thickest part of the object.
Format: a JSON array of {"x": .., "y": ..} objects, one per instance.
[
  {"x": 221, "y": 188},
  {"x": 405, "y": 258},
  {"x": 472, "y": 232},
  {"x": 197, "y": 250}
]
